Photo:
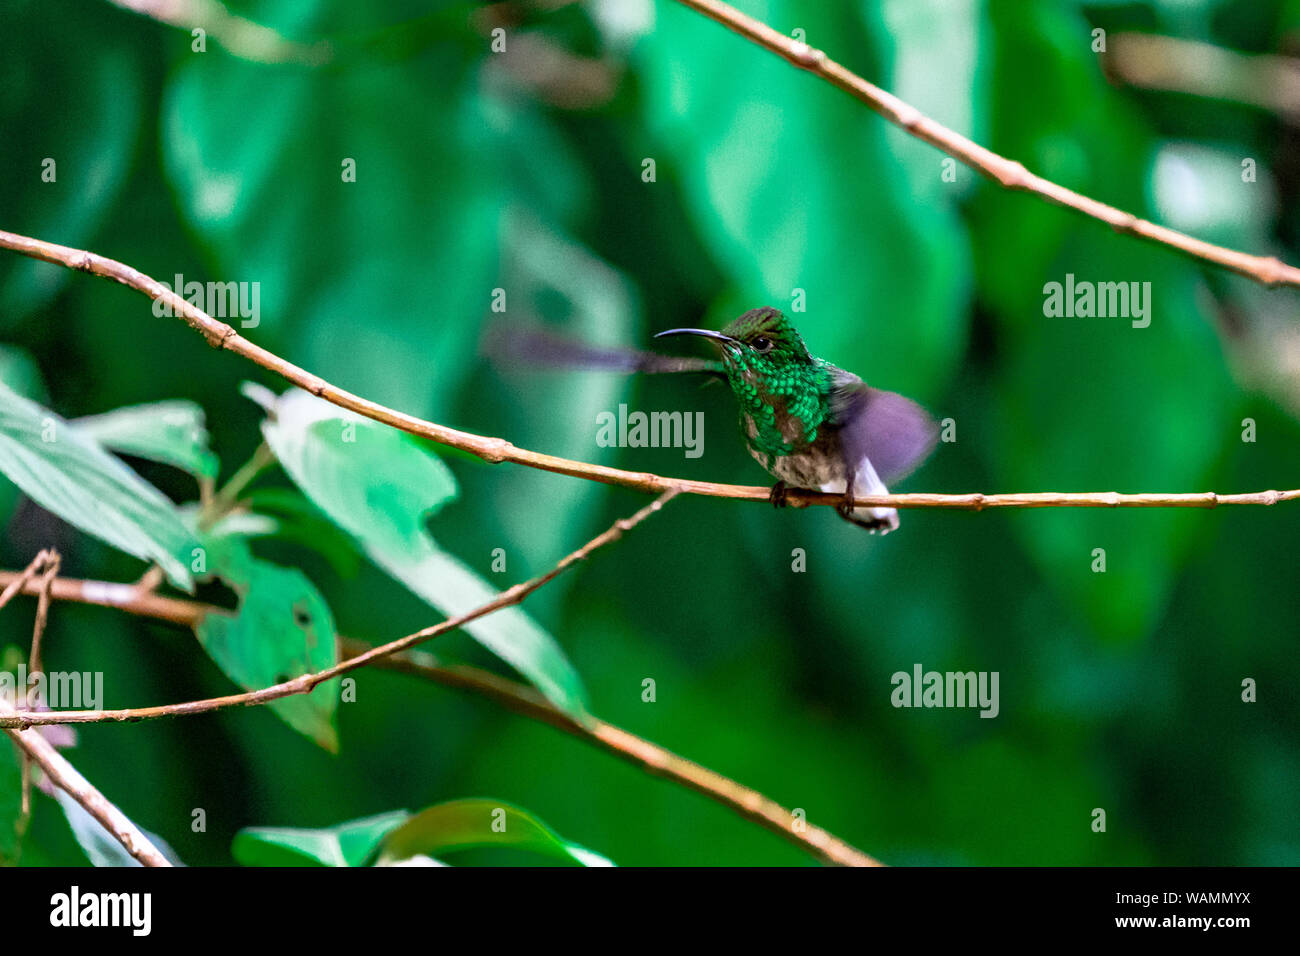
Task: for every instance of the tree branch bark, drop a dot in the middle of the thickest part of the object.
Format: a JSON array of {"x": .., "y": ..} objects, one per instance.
[
  {"x": 306, "y": 683},
  {"x": 497, "y": 450},
  {"x": 1008, "y": 173},
  {"x": 66, "y": 777},
  {"x": 514, "y": 696}
]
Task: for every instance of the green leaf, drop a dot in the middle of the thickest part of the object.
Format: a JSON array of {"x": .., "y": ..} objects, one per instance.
[
  {"x": 285, "y": 515},
  {"x": 1052, "y": 125},
  {"x": 348, "y": 844},
  {"x": 437, "y": 246},
  {"x": 478, "y": 822},
  {"x": 1198, "y": 189},
  {"x": 68, "y": 473},
  {"x": 1095, "y": 404},
  {"x": 169, "y": 432},
  {"x": 11, "y": 802},
  {"x": 84, "y": 113},
  {"x": 20, "y": 372},
  {"x": 380, "y": 485},
  {"x": 932, "y": 48},
  {"x": 102, "y": 848},
  {"x": 557, "y": 280},
  {"x": 375, "y": 482},
  {"x": 245, "y": 524},
  {"x": 282, "y": 629}
]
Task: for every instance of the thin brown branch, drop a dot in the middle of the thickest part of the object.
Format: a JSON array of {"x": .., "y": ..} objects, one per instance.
[
  {"x": 649, "y": 756},
  {"x": 19, "y": 580},
  {"x": 25, "y": 791},
  {"x": 152, "y": 577},
  {"x": 66, "y": 777},
  {"x": 1173, "y": 64},
  {"x": 1008, "y": 173},
  {"x": 48, "y": 574},
  {"x": 13, "y": 586},
  {"x": 49, "y": 571},
  {"x": 306, "y": 683},
  {"x": 497, "y": 450},
  {"x": 127, "y": 597},
  {"x": 220, "y": 502},
  {"x": 514, "y": 696}
]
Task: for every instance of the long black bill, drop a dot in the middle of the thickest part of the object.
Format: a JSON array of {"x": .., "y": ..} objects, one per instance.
[{"x": 707, "y": 333}]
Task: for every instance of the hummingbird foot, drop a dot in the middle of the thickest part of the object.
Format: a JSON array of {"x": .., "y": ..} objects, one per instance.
[
  {"x": 777, "y": 495},
  {"x": 882, "y": 524}
]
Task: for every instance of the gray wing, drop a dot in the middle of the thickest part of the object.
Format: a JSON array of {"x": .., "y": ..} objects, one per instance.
[
  {"x": 894, "y": 432},
  {"x": 534, "y": 348}
]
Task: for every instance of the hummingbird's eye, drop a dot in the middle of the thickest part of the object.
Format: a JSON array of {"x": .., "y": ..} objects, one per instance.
[{"x": 761, "y": 344}]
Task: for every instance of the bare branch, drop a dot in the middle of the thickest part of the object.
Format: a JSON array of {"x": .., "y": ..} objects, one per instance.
[
  {"x": 649, "y": 756},
  {"x": 66, "y": 777},
  {"x": 1006, "y": 172},
  {"x": 514, "y": 696},
  {"x": 50, "y": 570},
  {"x": 497, "y": 450},
  {"x": 19, "y": 581},
  {"x": 48, "y": 574},
  {"x": 1155, "y": 62},
  {"x": 306, "y": 683}
]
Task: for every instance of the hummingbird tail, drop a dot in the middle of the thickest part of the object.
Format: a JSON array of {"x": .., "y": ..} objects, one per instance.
[
  {"x": 865, "y": 482},
  {"x": 875, "y": 520}
]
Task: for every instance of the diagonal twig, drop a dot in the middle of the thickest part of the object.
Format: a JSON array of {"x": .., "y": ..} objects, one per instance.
[
  {"x": 516, "y": 697},
  {"x": 306, "y": 683},
  {"x": 35, "y": 748},
  {"x": 1008, "y": 173},
  {"x": 67, "y": 778},
  {"x": 48, "y": 574},
  {"x": 20, "y": 580}
]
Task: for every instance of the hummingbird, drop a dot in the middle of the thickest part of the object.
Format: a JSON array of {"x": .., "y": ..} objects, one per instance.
[{"x": 810, "y": 424}]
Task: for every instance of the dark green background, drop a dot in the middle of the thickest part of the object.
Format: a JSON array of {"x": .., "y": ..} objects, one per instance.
[{"x": 1118, "y": 690}]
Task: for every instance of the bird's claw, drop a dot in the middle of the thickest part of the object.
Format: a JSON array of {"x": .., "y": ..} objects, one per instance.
[
  {"x": 845, "y": 507},
  {"x": 777, "y": 495}
]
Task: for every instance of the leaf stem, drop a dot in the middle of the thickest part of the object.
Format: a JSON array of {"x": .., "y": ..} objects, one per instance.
[{"x": 223, "y": 501}]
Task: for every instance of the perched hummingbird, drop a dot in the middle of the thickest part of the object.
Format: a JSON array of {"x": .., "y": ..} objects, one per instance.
[
  {"x": 813, "y": 425},
  {"x": 810, "y": 424}
]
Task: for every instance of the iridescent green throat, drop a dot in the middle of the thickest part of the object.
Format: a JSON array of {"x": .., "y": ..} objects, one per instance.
[{"x": 782, "y": 406}]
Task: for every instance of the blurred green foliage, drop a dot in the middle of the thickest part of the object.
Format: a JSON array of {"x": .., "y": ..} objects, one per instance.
[{"x": 479, "y": 170}]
